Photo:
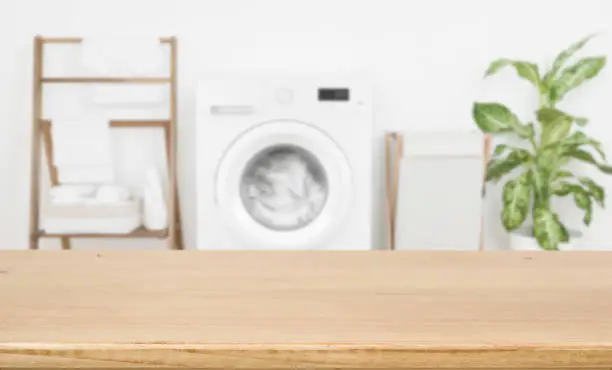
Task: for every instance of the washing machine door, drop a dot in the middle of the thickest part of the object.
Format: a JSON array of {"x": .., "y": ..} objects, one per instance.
[{"x": 283, "y": 185}]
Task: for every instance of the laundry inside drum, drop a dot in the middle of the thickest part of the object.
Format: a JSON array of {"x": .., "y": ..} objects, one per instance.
[{"x": 284, "y": 187}]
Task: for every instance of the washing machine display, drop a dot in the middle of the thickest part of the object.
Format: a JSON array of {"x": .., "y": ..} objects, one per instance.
[{"x": 335, "y": 94}]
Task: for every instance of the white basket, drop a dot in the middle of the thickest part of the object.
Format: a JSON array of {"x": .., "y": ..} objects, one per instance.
[{"x": 116, "y": 218}]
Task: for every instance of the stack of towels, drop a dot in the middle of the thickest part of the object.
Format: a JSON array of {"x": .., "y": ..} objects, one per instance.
[{"x": 89, "y": 195}]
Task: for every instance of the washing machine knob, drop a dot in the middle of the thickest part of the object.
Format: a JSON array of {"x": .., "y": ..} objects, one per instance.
[{"x": 284, "y": 96}]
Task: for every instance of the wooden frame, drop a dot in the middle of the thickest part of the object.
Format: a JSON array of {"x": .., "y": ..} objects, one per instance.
[
  {"x": 42, "y": 129},
  {"x": 486, "y": 155},
  {"x": 394, "y": 151}
]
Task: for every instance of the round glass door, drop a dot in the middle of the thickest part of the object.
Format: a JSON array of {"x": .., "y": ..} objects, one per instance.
[{"x": 284, "y": 187}]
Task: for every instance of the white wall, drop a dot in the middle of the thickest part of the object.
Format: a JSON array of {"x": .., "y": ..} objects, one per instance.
[{"x": 427, "y": 58}]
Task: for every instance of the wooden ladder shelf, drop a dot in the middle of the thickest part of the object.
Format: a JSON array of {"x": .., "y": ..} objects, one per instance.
[{"x": 41, "y": 130}]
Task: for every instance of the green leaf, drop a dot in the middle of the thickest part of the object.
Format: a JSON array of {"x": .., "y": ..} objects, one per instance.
[
  {"x": 496, "y": 118},
  {"x": 587, "y": 157},
  {"x": 501, "y": 149},
  {"x": 548, "y": 230},
  {"x": 582, "y": 155},
  {"x": 563, "y": 189},
  {"x": 578, "y": 139},
  {"x": 575, "y": 75},
  {"x": 526, "y": 70},
  {"x": 605, "y": 169},
  {"x": 563, "y": 57},
  {"x": 529, "y": 71},
  {"x": 493, "y": 117},
  {"x": 552, "y": 116},
  {"x": 583, "y": 201},
  {"x": 517, "y": 201},
  {"x": 562, "y": 175},
  {"x": 581, "y": 121},
  {"x": 588, "y": 214},
  {"x": 556, "y": 125},
  {"x": 497, "y": 65},
  {"x": 596, "y": 191},
  {"x": 499, "y": 167},
  {"x": 527, "y": 131},
  {"x": 547, "y": 165},
  {"x": 582, "y": 198}
]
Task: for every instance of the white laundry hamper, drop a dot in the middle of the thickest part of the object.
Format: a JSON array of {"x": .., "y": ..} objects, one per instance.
[{"x": 439, "y": 202}]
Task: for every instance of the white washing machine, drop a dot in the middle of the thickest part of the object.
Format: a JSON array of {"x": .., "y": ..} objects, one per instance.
[{"x": 284, "y": 163}]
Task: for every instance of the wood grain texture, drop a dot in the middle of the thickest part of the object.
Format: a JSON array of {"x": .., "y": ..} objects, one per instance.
[{"x": 281, "y": 310}]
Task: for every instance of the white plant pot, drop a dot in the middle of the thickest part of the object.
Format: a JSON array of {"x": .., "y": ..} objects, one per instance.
[{"x": 523, "y": 240}]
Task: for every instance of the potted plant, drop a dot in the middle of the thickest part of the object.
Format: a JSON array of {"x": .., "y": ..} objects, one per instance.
[{"x": 539, "y": 168}]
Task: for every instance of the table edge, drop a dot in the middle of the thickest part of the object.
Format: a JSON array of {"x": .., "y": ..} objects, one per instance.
[{"x": 289, "y": 356}]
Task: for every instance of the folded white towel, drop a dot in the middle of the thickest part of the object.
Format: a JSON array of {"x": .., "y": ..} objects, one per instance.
[
  {"x": 69, "y": 201},
  {"x": 82, "y": 150},
  {"x": 122, "y": 55},
  {"x": 86, "y": 174},
  {"x": 107, "y": 194},
  {"x": 128, "y": 95},
  {"x": 90, "y": 195},
  {"x": 72, "y": 191},
  {"x": 71, "y": 194}
]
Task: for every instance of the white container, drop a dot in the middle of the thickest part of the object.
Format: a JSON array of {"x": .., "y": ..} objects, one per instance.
[
  {"x": 523, "y": 240},
  {"x": 155, "y": 215},
  {"x": 440, "y": 183},
  {"x": 111, "y": 218}
]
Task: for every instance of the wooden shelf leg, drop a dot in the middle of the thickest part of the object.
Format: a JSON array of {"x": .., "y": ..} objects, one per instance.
[
  {"x": 171, "y": 144},
  {"x": 45, "y": 127},
  {"x": 394, "y": 151},
  {"x": 485, "y": 158},
  {"x": 35, "y": 150},
  {"x": 388, "y": 180},
  {"x": 66, "y": 245}
]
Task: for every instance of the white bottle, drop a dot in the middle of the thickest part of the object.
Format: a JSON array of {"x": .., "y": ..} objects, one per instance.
[{"x": 155, "y": 213}]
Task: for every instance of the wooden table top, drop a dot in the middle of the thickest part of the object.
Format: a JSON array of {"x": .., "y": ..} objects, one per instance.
[{"x": 277, "y": 310}]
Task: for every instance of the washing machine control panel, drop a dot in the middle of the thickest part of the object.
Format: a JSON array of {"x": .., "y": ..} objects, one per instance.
[{"x": 334, "y": 94}]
